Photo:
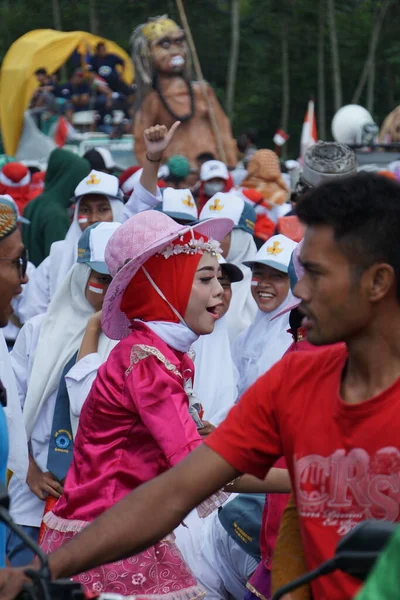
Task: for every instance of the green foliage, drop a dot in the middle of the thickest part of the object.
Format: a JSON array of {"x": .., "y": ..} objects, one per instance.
[{"x": 259, "y": 76}]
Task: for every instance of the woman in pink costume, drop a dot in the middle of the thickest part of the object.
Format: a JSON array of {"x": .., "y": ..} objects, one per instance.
[{"x": 140, "y": 416}]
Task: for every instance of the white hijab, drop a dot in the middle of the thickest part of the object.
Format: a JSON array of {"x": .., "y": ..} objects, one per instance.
[
  {"x": 63, "y": 254},
  {"x": 243, "y": 308},
  {"x": 258, "y": 348},
  {"x": 60, "y": 337},
  {"x": 216, "y": 376}
]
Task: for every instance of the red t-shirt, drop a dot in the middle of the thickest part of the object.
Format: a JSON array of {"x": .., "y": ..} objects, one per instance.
[{"x": 344, "y": 460}]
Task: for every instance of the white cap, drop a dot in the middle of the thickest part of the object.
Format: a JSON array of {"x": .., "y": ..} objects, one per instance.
[
  {"x": 275, "y": 253},
  {"x": 98, "y": 182},
  {"x": 213, "y": 168},
  {"x": 223, "y": 204},
  {"x": 92, "y": 245},
  {"x": 230, "y": 206},
  {"x": 129, "y": 185},
  {"x": 163, "y": 172},
  {"x": 179, "y": 204}
]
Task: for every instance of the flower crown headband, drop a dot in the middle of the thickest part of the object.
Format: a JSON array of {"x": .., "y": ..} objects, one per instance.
[{"x": 194, "y": 246}]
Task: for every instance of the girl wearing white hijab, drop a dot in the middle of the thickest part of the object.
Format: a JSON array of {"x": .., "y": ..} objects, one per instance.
[
  {"x": 267, "y": 339},
  {"x": 238, "y": 247},
  {"x": 216, "y": 377},
  {"x": 45, "y": 345},
  {"x": 97, "y": 199}
]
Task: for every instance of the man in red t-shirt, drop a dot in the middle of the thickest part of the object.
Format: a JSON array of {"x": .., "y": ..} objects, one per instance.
[{"x": 333, "y": 414}]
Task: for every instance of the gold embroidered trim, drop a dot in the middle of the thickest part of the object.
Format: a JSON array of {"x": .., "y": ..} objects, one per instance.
[
  {"x": 141, "y": 351},
  {"x": 254, "y": 591}
]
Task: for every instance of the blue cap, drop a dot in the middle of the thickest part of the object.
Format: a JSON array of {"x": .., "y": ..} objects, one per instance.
[
  {"x": 247, "y": 220},
  {"x": 92, "y": 245},
  {"x": 241, "y": 519}
]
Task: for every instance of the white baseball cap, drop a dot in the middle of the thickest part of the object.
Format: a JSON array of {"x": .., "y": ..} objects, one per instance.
[
  {"x": 213, "y": 168},
  {"x": 179, "y": 204},
  {"x": 92, "y": 245},
  {"x": 230, "y": 206},
  {"x": 275, "y": 253},
  {"x": 98, "y": 182}
]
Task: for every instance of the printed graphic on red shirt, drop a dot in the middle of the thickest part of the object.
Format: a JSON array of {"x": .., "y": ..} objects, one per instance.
[{"x": 348, "y": 487}]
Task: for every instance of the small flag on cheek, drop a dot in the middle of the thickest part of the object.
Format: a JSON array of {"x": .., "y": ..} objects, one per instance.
[
  {"x": 254, "y": 282},
  {"x": 97, "y": 288},
  {"x": 82, "y": 220}
]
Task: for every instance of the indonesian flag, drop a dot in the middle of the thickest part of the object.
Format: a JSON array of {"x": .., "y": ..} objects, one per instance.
[
  {"x": 280, "y": 137},
  {"x": 61, "y": 132},
  {"x": 309, "y": 134}
]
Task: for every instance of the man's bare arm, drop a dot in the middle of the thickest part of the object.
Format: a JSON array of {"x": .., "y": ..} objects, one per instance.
[{"x": 276, "y": 482}]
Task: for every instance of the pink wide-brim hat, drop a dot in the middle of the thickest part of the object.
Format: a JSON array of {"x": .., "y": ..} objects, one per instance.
[{"x": 132, "y": 244}]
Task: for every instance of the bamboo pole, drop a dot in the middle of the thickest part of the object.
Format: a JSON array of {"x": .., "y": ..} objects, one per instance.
[{"x": 199, "y": 75}]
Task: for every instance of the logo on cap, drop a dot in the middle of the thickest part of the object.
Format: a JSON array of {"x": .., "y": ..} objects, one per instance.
[
  {"x": 188, "y": 201},
  {"x": 216, "y": 206},
  {"x": 93, "y": 180},
  {"x": 274, "y": 249}
]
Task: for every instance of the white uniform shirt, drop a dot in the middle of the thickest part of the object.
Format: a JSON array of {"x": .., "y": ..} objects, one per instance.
[{"x": 26, "y": 508}]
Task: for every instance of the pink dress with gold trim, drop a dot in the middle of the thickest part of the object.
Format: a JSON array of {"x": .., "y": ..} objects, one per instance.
[{"x": 134, "y": 425}]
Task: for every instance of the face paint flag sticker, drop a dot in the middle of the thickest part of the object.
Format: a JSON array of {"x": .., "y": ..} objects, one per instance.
[
  {"x": 82, "y": 220},
  {"x": 97, "y": 288}
]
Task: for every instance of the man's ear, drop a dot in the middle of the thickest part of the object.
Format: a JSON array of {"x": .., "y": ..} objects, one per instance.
[{"x": 380, "y": 281}]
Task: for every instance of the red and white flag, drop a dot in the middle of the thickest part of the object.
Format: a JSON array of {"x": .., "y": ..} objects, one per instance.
[
  {"x": 61, "y": 132},
  {"x": 280, "y": 137},
  {"x": 309, "y": 135}
]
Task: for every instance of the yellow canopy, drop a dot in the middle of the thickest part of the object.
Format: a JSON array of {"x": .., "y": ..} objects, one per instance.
[{"x": 40, "y": 48}]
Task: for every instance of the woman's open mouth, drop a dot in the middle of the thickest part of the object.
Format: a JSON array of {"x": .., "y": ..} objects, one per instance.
[{"x": 214, "y": 310}]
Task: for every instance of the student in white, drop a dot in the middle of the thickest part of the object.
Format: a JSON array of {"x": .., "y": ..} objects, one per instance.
[
  {"x": 267, "y": 339},
  {"x": 238, "y": 247},
  {"x": 97, "y": 198},
  {"x": 46, "y": 343},
  {"x": 216, "y": 377}
]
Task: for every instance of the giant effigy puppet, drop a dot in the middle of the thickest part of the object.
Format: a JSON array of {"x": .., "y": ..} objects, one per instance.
[
  {"x": 390, "y": 130},
  {"x": 166, "y": 93}
]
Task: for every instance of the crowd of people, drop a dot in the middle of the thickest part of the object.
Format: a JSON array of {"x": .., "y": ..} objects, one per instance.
[
  {"x": 97, "y": 85},
  {"x": 198, "y": 366}
]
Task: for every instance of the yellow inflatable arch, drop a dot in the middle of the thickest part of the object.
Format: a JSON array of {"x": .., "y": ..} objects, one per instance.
[{"x": 40, "y": 48}]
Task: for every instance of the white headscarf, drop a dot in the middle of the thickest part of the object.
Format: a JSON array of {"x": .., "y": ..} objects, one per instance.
[
  {"x": 60, "y": 337},
  {"x": 258, "y": 348},
  {"x": 63, "y": 254},
  {"x": 216, "y": 376},
  {"x": 243, "y": 308}
]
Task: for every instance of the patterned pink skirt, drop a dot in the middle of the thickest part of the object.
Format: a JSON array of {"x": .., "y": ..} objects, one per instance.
[{"x": 158, "y": 573}]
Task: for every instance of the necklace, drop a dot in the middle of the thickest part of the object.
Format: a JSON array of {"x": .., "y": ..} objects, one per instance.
[{"x": 176, "y": 117}]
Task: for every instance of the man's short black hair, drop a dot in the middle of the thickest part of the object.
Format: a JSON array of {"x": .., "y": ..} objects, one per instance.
[
  {"x": 364, "y": 213},
  {"x": 100, "y": 45},
  {"x": 41, "y": 71}
]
